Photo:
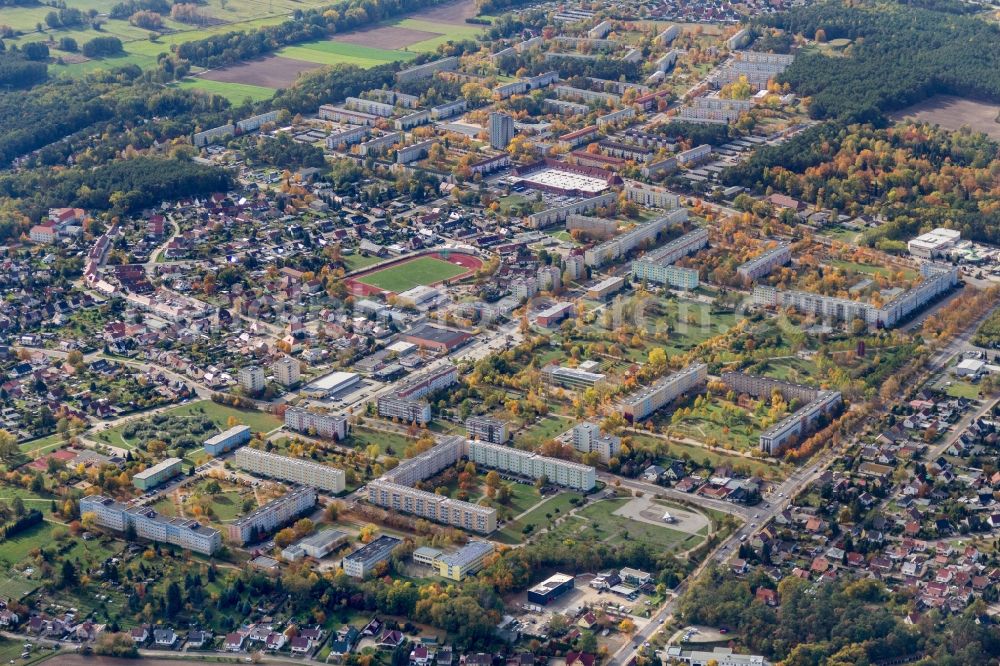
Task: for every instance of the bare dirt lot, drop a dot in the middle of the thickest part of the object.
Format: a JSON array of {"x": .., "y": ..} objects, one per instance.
[
  {"x": 386, "y": 37},
  {"x": 269, "y": 72},
  {"x": 454, "y": 13},
  {"x": 954, "y": 113}
]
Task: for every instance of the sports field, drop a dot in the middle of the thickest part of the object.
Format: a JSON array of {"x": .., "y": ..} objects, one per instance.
[{"x": 409, "y": 274}]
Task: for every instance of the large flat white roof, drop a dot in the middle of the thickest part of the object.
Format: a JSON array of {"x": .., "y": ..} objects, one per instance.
[{"x": 566, "y": 180}]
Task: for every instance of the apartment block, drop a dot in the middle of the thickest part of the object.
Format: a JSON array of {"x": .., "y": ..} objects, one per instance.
[
  {"x": 487, "y": 429},
  {"x": 501, "y": 128},
  {"x": 148, "y": 524},
  {"x": 254, "y": 123},
  {"x": 379, "y": 144},
  {"x": 656, "y": 266},
  {"x": 695, "y": 156},
  {"x": 286, "y": 371},
  {"x": 361, "y": 562},
  {"x": 339, "y": 114},
  {"x": 531, "y": 465},
  {"x": 714, "y": 110},
  {"x": 438, "y": 508},
  {"x": 937, "y": 279},
  {"x": 763, "y": 264},
  {"x": 621, "y": 245},
  {"x": 347, "y": 137},
  {"x": 412, "y": 120},
  {"x": 817, "y": 404},
  {"x": 651, "y": 196},
  {"x": 406, "y": 154},
  {"x": 428, "y": 382},
  {"x": 594, "y": 227},
  {"x": 251, "y": 379},
  {"x": 369, "y": 106},
  {"x": 407, "y": 410},
  {"x": 559, "y": 214},
  {"x": 589, "y": 96},
  {"x": 447, "y": 452},
  {"x": 157, "y": 474},
  {"x": 588, "y": 438},
  {"x": 286, "y": 468},
  {"x": 641, "y": 403},
  {"x": 201, "y": 139},
  {"x": 328, "y": 426},
  {"x": 616, "y": 117},
  {"x": 427, "y": 69},
  {"x": 228, "y": 440},
  {"x": 266, "y": 519}
]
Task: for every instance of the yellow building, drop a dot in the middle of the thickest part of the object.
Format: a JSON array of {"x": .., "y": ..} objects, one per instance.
[{"x": 456, "y": 566}]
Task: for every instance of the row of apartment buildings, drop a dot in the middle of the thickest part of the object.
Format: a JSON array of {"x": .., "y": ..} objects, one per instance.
[
  {"x": 937, "y": 279},
  {"x": 641, "y": 403},
  {"x": 763, "y": 264},
  {"x": 818, "y": 404},
  {"x": 657, "y": 266},
  {"x": 621, "y": 245},
  {"x": 148, "y": 524},
  {"x": 327, "y": 426},
  {"x": 272, "y": 515},
  {"x": 285, "y": 468},
  {"x": 407, "y": 403}
]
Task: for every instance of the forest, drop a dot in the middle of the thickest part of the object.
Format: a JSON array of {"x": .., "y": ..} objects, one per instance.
[
  {"x": 123, "y": 186},
  {"x": 917, "y": 176},
  {"x": 901, "y": 54}
]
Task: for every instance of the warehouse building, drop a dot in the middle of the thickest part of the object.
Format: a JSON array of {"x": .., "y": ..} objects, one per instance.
[{"x": 551, "y": 588}]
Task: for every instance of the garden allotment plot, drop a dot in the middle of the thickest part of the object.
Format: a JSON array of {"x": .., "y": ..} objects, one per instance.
[{"x": 422, "y": 270}]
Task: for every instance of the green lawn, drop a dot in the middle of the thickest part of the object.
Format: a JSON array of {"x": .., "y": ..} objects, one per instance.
[
  {"x": 712, "y": 425},
  {"x": 15, "y": 549},
  {"x": 388, "y": 443},
  {"x": 42, "y": 445},
  {"x": 234, "y": 92},
  {"x": 596, "y": 522},
  {"x": 419, "y": 271},
  {"x": 538, "y": 433},
  {"x": 868, "y": 269},
  {"x": 513, "y": 532},
  {"x": 328, "y": 52},
  {"x": 679, "y": 450},
  {"x": 354, "y": 262}
]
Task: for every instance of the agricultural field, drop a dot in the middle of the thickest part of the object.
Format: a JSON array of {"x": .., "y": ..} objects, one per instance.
[
  {"x": 419, "y": 271},
  {"x": 234, "y": 92}
]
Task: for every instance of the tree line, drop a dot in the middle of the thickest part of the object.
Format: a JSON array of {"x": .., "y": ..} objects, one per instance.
[{"x": 901, "y": 54}]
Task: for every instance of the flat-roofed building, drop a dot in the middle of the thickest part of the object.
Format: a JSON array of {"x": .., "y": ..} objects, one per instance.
[
  {"x": 274, "y": 514},
  {"x": 588, "y": 438},
  {"x": 438, "y": 508},
  {"x": 339, "y": 114},
  {"x": 286, "y": 371},
  {"x": 934, "y": 243},
  {"x": 763, "y": 264},
  {"x": 531, "y": 465},
  {"x": 316, "y": 546},
  {"x": 487, "y": 429},
  {"x": 157, "y": 474},
  {"x": 286, "y": 468},
  {"x": 407, "y": 410},
  {"x": 427, "y": 69},
  {"x": 550, "y": 588},
  {"x": 641, "y": 403},
  {"x": 363, "y": 561},
  {"x": 228, "y": 440},
  {"x": 651, "y": 196},
  {"x": 331, "y": 384},
  {"x": 606, "y": 287},
  {"x": 466, "y": 561},
  {"x": 328, "y": 426},
  {"x": 641, "y": 234},
  {"x": 572, "y": 378},
  {"x": 448, "y": 451},
  {"x": 148, "y": 524}
]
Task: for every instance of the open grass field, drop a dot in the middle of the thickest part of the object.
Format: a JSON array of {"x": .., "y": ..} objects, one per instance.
[
  {"x": 538, "y": 433},
  {"x": 388, "y": 443},
  {"x": 712, "y": 425},
  {"x": 330, "y": 52},
  {"x": 419, "y": 271},
  {"x": 234, "y": 92},
  {"x": 537, "y": 518},
  {"x": 597, "y": 522},
  {"x": 869, "y": 269},
  {"x": 354, "y": 262},
  {"x": 680, "y": 450}
]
